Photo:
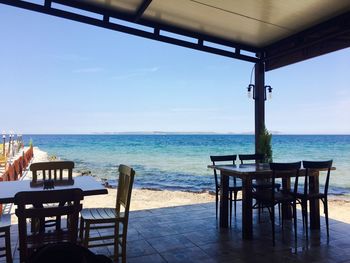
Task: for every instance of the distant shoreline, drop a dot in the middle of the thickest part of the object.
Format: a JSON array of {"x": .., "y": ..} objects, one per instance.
[{"x": 190, "y": 133}]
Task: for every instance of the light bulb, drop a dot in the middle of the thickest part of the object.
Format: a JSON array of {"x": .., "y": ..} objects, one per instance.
[{"x": 249, "y": 94}]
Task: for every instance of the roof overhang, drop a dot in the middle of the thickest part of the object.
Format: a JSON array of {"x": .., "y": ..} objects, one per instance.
[{"x": 276, "y": 32}]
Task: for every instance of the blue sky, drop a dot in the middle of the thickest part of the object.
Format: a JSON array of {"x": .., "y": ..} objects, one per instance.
[{"x": 61, "y": 76}]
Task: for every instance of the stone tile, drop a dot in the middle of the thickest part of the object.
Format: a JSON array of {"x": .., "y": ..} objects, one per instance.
[
  {"x": 169, "y": 243},
  {"x": 188, "y": 255},
  {"x": 139, "y": 248},
  {"x": 154, "y": 258},
  {"x": 191, "y": 234}
]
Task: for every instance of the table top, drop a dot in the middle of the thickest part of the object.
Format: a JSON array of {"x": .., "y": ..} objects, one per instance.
[
  {"x": 254, "y": 170},
  {"x": 88, "y": 184},
  {"x": 243, "y": 168}
]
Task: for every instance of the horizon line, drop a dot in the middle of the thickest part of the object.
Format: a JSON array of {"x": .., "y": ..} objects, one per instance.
[{"x": 180, "y": 133}]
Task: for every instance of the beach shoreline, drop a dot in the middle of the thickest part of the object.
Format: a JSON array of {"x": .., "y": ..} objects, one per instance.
[{"x": 144, "y": 199}]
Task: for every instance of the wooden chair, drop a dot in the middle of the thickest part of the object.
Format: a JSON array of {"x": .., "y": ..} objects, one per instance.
[
  {"x": 61, "y": 172},
  {"x": 11, "y": 172},
  {"x": 271, "y": 198},
  {"x": 306, "y": 196},
  {"x": 20, "y": 163},
  {"x": 31, "y": 205},
  {"x": 257, "y": 158},
  {"x": 233, "y": 189},
  {"x": 259, "y": 186},
  {"x": 5, "y": 225},
  {"x": 102, "y": 218},
  {"x": 17, "y": 169}
]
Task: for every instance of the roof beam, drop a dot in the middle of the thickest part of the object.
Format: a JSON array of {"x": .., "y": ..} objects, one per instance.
[
  {"x": 142, "y": 9},
  {"x": 105, "y": 23},
  {"x": 149, "y": 23},
  {"x": 323, "y": 38}
]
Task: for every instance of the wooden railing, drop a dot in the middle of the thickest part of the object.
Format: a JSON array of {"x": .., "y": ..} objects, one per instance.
[{"x": 15, "y": 170}]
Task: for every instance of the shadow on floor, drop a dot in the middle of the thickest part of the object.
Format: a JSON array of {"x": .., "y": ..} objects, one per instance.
[{"x": 190, "y": 234}]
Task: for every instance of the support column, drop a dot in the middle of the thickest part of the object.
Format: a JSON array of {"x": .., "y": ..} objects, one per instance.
[{"x": 259, "y": 101}]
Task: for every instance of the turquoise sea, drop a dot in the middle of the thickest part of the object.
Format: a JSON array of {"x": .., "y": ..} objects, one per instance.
[{"x": 179, "y": 162}]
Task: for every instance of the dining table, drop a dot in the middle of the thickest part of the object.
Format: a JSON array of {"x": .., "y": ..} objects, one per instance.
[
  {"x": 88, "y": 184},
  {"x": 249, "y": 172}
]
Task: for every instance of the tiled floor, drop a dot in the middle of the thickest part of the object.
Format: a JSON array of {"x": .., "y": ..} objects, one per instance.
[{"x": 190, "y": 234}]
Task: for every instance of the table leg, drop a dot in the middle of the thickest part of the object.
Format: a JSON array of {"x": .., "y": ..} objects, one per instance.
[
  {"x": 314, "y": 187},
  {"x": 286, "y": 209},
  {"x": 247, "y": 209},
  {"x": 224, "y": 179}
]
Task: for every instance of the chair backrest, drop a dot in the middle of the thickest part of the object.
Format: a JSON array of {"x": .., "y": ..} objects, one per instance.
[
  {"x": 17, "y": 169},
  {"x": 125, "y": 184},
  {"x": 229, "y": 159},
  {"x": 285, "y": 169},
  {"x": 11, "y": 172},
  {"x": 31, "y": 205},
  {"x": 257, "y": 157},
  {"x": 317, "y": 166},
  {"x": 20, "y": 162},
  {"x": 57, "y": 171}
]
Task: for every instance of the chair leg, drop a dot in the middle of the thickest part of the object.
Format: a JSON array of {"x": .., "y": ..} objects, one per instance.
[
  {"x": 81, "y": 229},
  {"x": 116, "y": 242},
  {"x": 235, "y": 199},
  {"x": 86, "y": 235},
  {"x": 8, "y": 246},
  {"x": 273, "y": 224},
  {"x": 279, "y": 213},
  {"x": 216, "y": 203},
  {"x": 306, "y": 219},
  {"x": 124, "y": 244},
  {"x": 295, "y": 218},
  {"x": 325, "y": 204},
  {"x": 230, "y": 197}
]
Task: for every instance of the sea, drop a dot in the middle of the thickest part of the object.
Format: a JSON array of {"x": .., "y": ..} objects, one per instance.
[{"x": 179, "y": 162}]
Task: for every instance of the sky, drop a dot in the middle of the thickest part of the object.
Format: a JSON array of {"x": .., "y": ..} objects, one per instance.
[{"x": 60, "y": 76}]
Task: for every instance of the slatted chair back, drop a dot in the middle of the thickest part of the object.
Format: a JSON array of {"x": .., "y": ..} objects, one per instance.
[
  {"x": 17, "y": 169},
  {"x": 58, "y": 171},
  {"x": 32, "y": 205},
  {"x": 257, "y": 157},
  {"x": 11, "y": 172},
  {"x": 228, "y": 159},
  {"x": 5, "y": 176},
  {"x": 125, "y": 184},
  {"x": 285, "y": 169},
  {"x": 317, "y": 166},
  {"x": 29, "y": 155},
  {"x": 20, "y": 163}
]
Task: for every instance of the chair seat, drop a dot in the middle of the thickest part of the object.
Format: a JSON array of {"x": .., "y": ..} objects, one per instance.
[
  {"x": 233, "y": 188},
  {"x": 265, "y": 185},
  {"x": 280, "y": 197},
  {"x": 309, "y": 196},
  {"x": 5, "y": 221},
  {"x": 37, "y": 240},
  {"x": 101, "y": 215}
]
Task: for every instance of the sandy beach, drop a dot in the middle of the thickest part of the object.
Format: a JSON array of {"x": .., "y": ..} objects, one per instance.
[{"x": 339, "y": 209}]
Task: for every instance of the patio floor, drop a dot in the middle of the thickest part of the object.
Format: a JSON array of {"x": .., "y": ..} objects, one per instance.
[{"x": 190, "y": 234}]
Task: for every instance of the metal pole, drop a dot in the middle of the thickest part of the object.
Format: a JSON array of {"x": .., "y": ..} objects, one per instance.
[{"x": 259, "y": 101}]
